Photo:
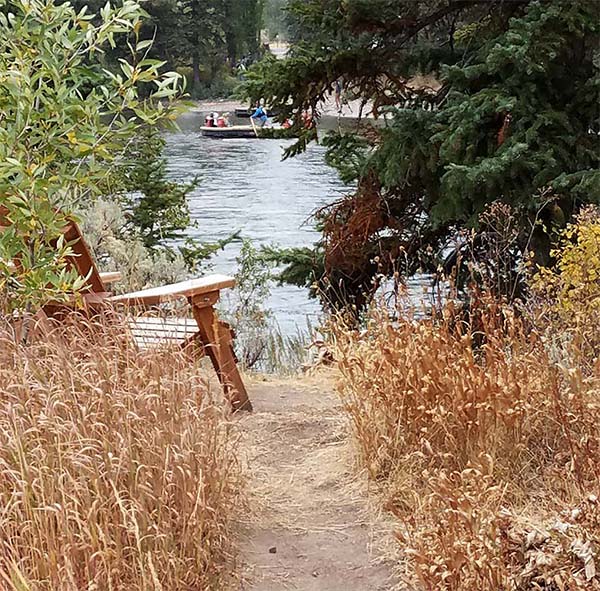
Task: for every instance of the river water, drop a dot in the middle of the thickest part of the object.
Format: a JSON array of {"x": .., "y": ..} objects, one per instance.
[{"x": 245, "y": 186}]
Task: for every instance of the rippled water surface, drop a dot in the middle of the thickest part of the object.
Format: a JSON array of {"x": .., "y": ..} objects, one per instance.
[{"x": 246, "y": 186}]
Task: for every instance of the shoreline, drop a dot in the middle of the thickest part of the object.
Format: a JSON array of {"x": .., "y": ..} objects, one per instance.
[{"x": 350, "y": 110}]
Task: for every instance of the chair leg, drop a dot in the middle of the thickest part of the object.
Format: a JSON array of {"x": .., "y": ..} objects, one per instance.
[
  {"x": 194, "y": 347},
  {"x": 217, "y": 341}
]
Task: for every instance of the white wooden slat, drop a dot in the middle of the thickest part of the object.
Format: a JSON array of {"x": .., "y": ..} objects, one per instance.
[
  {"x": 152, "y": 331},
  {"x": 174, "y": 321},
  {"x": 150, "y": 343},
  {"x": 108, "y": 277}
]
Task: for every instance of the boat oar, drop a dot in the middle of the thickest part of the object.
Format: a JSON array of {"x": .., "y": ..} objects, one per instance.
[{"x": 254, "y": 126}]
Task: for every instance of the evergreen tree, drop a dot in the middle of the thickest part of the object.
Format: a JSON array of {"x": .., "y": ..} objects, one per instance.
[
  {"x": 207, "y": 36},
  {"x": 157, "y": 207},
  {"x": 515, "y": 85}
]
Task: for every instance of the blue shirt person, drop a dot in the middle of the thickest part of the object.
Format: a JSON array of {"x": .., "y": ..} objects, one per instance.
[{"x": 261, "y": 115}]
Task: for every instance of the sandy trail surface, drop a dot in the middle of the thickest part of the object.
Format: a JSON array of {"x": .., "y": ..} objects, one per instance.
[{"x": 309, "y": 527}]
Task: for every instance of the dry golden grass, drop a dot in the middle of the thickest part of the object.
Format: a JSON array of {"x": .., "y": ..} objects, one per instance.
[
  {"x": 467, "y": 426},
  {"x": 117, "y": 469}
]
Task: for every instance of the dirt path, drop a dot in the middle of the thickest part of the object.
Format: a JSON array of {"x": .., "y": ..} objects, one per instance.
[{"x": 310, "y": 528}]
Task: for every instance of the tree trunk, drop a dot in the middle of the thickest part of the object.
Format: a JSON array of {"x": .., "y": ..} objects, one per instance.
[{"x": 196, "y": 73}]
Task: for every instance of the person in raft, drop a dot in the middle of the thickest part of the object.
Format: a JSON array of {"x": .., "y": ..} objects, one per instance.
[
  {"x": 223, "y": 120},
  {"x": 260, "y": 115},
  {"x": 211, "y": 120}
]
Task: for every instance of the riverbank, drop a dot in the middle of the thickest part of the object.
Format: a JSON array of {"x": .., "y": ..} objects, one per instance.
[{"x": 350, "y": 109}]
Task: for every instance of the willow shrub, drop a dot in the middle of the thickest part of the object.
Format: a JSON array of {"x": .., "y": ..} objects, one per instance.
[
  {"x": 464, "y": 424},
  {"x": 117, "y": 469},
  {"x": 65, "y": 119}
]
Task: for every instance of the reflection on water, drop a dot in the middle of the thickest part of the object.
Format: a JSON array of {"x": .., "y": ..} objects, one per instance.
[{"x": 246, "y": 186}]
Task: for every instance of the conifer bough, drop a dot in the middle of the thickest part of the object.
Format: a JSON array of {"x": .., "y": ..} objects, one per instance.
[{"x": 516, "y": 120}]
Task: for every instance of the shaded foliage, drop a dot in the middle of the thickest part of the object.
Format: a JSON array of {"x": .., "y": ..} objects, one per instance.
[
  {"x": 203, "y": 39},
  {"x": 515, "y": 89}
]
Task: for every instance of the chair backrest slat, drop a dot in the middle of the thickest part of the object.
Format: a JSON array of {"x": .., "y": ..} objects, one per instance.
[{"x": 81, "y": 258}]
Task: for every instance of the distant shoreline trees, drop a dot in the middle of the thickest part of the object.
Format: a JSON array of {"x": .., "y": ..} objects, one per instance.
[
  {"x": 205, "y": 40},
  {"x": 276, "y": 20}
]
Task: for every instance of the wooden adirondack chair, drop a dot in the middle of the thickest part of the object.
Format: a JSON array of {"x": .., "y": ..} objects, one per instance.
[{"x": 214, "y": 336}]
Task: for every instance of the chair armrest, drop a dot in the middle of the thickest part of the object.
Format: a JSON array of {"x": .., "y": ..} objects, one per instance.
[
  {"x": 111, "y": 277},
  {"x": 183, "y": 289}
]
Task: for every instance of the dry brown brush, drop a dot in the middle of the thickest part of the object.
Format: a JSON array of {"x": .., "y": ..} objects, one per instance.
[
  {"x": 478, "y": 439},
  {"x": 117, "y": 469}
]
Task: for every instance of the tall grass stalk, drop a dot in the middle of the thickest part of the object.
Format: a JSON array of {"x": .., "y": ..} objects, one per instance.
[
  {"x": 118, "y": 470},
  {"x": 466, "y": 424}
]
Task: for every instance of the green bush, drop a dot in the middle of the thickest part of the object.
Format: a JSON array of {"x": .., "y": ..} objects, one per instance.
[{"x": 64, "y": 123}]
